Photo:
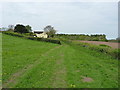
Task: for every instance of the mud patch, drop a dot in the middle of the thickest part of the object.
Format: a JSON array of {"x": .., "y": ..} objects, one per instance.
[
  {"x": 77, "y": 70},
  {"x": 87, "y": 79}
]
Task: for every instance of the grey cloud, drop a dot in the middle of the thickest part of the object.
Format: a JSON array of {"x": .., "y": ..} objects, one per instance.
[{"x": 82, "y": 17}]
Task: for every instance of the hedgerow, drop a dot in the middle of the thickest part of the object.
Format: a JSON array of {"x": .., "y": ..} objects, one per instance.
[
  {"x": 115, "y": 53},
  {"x": 107, "y": 50},
  {"x": 97, "y": 37},
  {"x": 27, "y": 36}
]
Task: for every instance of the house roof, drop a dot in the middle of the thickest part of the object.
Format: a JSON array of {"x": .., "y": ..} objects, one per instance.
[{"x": 38, "y": 31}]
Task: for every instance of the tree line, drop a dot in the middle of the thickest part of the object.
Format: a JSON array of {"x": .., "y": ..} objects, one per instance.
[
  {"x": 96, "y": 37},
  {"x": 19, "y": 28}
]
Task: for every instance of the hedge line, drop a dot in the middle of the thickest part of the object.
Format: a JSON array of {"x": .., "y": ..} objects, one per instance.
[
  {"x": 107, "y": 50},
  {"x": 32, "y": 38},
  {"x": 115, "y": 53},
  {"x": 97, "y": 37}
]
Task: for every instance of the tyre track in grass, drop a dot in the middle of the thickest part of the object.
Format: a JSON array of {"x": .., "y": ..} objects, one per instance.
[
  {"x": 13, "y": 79},
  {"x": 59, "y": 76}
]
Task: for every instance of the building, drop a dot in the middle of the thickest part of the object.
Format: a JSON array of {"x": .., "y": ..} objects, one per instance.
[{"x": 40, "y": 34}]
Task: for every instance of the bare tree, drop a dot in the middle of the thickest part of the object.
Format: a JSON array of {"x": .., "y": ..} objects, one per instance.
[
  {"x": 10, "y": 27},
  {"x": 50, "y": 31}
]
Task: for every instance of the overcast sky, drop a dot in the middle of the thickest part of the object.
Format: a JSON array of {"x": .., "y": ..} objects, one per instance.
[{"x": 65, "y": 17}]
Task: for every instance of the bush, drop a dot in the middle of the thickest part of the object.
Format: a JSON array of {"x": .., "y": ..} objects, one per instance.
[
  {"x": 44, "y": 39},
  {"x": 115, "y": 53},
  {"x": 103, "y": 45},
  {"x": 104, "y": 40},
  {"x": 13, "y": 34},
  {"x": 29, "y": 34}
]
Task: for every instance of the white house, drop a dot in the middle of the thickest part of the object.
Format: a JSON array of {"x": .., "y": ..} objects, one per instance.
[{"x": 40, "y": 34}]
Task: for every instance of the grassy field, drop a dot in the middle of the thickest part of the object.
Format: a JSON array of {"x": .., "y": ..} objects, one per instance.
[{"x": 34, "y": 64}]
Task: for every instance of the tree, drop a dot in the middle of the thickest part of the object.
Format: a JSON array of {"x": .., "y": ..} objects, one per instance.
[
  {"x": 29, "y": 28},
  {"x": 20, "y": 29},
  {"x": 50, "y": 31},
  {"x": 118, "y": 38},
  {"x": 10, "y": 28}
]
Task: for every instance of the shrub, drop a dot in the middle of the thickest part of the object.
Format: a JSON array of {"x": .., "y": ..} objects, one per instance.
[
  {"x": 115, "y": 53},
  {"x": 44, "y": 39},
  {"x": 26, "y": 34},
  {"x": 13, "y": 34},
  {"x": 103, "y": 45},
  {"x": 29, "y": 34}
]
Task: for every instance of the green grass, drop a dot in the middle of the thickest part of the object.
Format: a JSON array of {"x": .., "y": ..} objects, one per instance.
[
  {"x": 103, "y": 45},
  {"x": 55, "y": 66},
  {"x": 18, "y": 52}
]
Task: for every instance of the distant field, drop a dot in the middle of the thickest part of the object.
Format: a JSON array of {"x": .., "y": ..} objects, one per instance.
[
  {"x": 35, "y": 64},
  {"x": 111, "y": 44}
]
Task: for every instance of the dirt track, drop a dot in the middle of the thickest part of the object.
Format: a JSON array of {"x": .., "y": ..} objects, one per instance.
[{"x": 113, "y": 45}]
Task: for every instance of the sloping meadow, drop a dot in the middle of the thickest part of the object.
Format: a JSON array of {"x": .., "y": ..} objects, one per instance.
[{"x": 35, "y": 64}]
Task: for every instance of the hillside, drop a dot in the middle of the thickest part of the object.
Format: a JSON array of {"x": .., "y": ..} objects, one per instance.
[{"x": 35, "y": 64}]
